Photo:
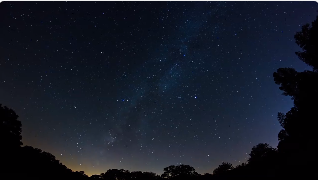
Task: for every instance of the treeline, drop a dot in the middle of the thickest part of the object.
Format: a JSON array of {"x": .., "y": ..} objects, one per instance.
[{"x": 294, "y": 157}]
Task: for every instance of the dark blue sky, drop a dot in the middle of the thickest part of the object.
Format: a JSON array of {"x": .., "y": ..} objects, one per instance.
[{"x": 144, "y": 85}]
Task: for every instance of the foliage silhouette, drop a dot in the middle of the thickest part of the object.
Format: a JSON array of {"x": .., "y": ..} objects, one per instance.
[
  {"x": 297, "y": 139},
  {"x": 260, "y": 152},
  {"x": 96, "y": 177},
  {"x": 10, "y": 138},
  {"x": 307, "y": 39},
  {"x": 121, "y": 174},
  {"x": 26, "y": 162},
  {"x": 179, "y": 172},
  {"x": 138, "y": 175},
  {"x": 224, "y": 167},
  {"x": 301, "y": 86},
  {"x": 10, "y": 128},
  {"x": 115, "y": 174}
]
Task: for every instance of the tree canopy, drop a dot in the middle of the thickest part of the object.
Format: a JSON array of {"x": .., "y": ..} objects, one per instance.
[
  {"x": 297, "y": 139},
  {"x": 179, "y": 171},
  {"x": 307, "y": 40},
  {"x": 10, "y": 128},
  {"x": 224, "y": 167}
]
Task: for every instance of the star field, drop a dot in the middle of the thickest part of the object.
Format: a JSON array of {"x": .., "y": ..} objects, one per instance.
[{"x": 144, "y": 85}]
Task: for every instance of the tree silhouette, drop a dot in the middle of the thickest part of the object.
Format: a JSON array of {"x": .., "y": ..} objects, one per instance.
[
  {"x": 206, "y": 176},
  {"x": 10, "y": 128},
  {"x": 35, "y": 163},
  {"x": 224, "y": 167},
  {"x": 95, "y": 177},
  {"x": 260, "y": 152},
  {"x": 27, "y": 162},
  {"x": 180, "y": 171},
  {"x": 301, "y": 86},
  {"x": 241, "y": 165},
  {"x": 10, "y": 139},
  {"x": 307, "y": 39},
  {"x": 116, "y": 174},
  {"x": 297, "y": 139},
  {"x": 149, "y": 175},
  {"x": 138, "y": 175},
  {"x": 79, "y": 175}
]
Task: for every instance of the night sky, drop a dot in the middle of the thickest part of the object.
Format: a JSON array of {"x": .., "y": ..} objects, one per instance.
[{"x": 145, "y": 85}]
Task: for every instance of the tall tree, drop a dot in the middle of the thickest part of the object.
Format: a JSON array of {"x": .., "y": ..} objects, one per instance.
[
  {"x": 298, "y": 139},
  {"x": 301, "y": 86},
  {"x": 298, "y": 123}
]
